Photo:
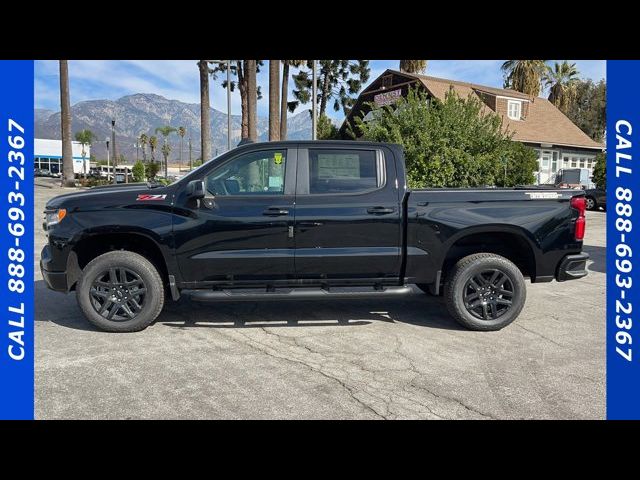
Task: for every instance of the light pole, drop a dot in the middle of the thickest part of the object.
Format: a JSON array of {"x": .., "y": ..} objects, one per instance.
[
  {"x": 115, "y": 155},
  {"x": 137, "y": 150},
  {"x": 314, "y": 101},
  {"x": 228, "y": 105},
  {"x": 190, "y": 162},
  {"x": 107, "y": 141}
]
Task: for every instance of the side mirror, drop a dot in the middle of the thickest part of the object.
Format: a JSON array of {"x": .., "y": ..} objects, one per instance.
[{"x": 195, "y": 189}]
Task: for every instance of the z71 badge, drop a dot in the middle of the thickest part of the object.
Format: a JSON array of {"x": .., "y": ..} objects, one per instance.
[{"x": 146, "y": 197}]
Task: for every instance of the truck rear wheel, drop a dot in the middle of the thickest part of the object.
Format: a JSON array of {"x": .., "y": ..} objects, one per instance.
[
  {"x": 485, "y": 291},
  {"x": 120, "y": 291}
]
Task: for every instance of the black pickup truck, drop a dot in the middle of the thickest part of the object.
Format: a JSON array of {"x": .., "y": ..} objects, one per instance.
[{"x": 308, "y": 220}]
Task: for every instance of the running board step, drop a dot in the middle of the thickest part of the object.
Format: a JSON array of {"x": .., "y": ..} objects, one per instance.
[{"x": 255, "y": 294}]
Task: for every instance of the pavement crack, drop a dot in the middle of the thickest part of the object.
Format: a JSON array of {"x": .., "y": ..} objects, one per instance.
[
  {"x": 540, "y": 335},
  {"x": 265, "y": 349},
  {"x": 418, "y": 374},
  {"x": 452, "y": 399}
]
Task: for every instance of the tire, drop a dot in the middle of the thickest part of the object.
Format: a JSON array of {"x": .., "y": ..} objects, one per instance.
[
  {"x": 134, "y": 309},
  {"x": 591, "y": 203},
  {"x": 474, "y": 269}
]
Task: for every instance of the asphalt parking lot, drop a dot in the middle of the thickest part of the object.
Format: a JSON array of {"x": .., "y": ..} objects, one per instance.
[{"x": 348, "y": 359}]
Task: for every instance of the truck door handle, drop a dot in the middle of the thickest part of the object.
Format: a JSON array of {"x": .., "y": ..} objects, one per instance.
[
  {"x": 275, "y": 212},
  {"x": 379, "y": 210}
]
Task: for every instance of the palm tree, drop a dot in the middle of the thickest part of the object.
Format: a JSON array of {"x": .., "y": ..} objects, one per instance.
[
  {"x": 562, "y": 80},
  {"x": 65, "y": 123},
  {"x": 165, "y": 132},
  {"x": 413, "y": 66},
  {"x": 252, "y": 99},
  {"x": 205, "y": 113},
  {"x": 284, "y": 104},
  {"x": 153, "y": 144},
  {"x": 274, "y": 100},
  {"x": 182, "y": 132},
  {"x": 143, "y": 143},
  {"x": 240, "y": 69},
  {"x": 85, "y": 138},
  {"x": 524, "y": 75},
  {"x": 166, "y": 150}
]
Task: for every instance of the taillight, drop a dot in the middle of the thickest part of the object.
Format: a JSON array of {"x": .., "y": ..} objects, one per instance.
[{"x": 580, "y": 204}]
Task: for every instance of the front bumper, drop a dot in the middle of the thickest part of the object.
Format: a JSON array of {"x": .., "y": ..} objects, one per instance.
[
  {"x": 54, "y": 280},
  {"x": 572, "y": 267}
]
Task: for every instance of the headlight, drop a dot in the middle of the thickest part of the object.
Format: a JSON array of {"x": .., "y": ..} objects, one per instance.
[{"x": 54, "y": 217}]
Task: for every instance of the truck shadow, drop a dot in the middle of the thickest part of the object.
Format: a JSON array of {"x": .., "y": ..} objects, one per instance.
[
  {"x": 599, "y": 257},
  {"x": 417, "y": 309}
]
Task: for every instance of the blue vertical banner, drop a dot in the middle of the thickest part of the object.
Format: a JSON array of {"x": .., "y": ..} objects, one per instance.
[
  {"x": 623, "y": 245},
  {"x": 16, "y": 240}
]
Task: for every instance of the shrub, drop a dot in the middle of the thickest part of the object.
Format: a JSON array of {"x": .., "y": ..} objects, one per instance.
[
  {"x": 599, "y": 176},
  {"x": 138, "y": 172},
  {"x": 151, "y": 170},
  {"x": 450, "y": 143}
]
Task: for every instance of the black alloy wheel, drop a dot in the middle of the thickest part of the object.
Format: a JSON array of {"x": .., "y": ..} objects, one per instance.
[
  {"x": 488, "y": 294},
  {"x": 118, "y": 294}
]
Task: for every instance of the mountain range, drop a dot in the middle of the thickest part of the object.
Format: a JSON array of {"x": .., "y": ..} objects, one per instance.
[{"x": 144, "y": 112}]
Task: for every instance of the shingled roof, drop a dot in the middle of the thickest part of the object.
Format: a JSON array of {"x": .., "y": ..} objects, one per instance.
[{"x": 544, "y": 123}]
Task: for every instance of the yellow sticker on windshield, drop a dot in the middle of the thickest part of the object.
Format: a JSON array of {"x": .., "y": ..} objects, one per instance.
[{"x": 277, "y": 158}]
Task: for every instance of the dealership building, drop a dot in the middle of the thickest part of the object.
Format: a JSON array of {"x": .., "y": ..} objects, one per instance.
[{"x": 48, "y": 156}]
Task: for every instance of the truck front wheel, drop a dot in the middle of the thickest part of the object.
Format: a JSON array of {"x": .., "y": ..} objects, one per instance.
[
  {"x": 485, "y": 291},
  {"x": 120, "y": 291}
]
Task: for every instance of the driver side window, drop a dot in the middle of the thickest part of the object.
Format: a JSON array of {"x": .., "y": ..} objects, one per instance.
[{"x": 255, "y": 173}]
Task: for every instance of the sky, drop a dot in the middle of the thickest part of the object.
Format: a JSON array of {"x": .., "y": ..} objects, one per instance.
[{"x": 179, "y": 79}]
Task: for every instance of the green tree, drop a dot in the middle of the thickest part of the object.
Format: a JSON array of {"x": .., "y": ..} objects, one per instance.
[
  {"x": 524, "y": 75},
  {"x": 166, "y": 151},
  {"x": 561, "y": 80},
  {"x": 326, "y": 129},
  {"x": 589, "y": 108},
  {"x": 153, "y": 144},
  {"x": 240, "y": 69},
  {"x": 138, "y": 172},
  {"x": 449, "y": 143},
  {"x": 413, "y": 66},
  {"x": 144, "y": 140},
  {"x": 518, "y": 164},
  {"x": 285, "y": 105},
  {"x": 151, "y": 170},
  {"x": 85, "y": 138},
  {"x": 165, "y": 132},
  {"x": 336, "y": 80},
  {"x": 181, "y": 132},
  {"x": 599, "y": 176}
]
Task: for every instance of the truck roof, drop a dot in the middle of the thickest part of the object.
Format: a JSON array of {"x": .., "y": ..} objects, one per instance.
[{"x": 285, "y": 143}]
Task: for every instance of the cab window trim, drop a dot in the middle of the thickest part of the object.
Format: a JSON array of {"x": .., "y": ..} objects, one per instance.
[
  {"x": 290, "y": 168},
  {"x": 303, "y": 185}
]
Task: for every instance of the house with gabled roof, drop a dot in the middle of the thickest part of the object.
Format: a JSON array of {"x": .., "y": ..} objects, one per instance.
[{"x": 534, "y": 121}]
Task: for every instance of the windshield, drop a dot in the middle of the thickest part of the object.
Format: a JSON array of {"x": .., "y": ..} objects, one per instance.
[{"x": 195, "y": 170}]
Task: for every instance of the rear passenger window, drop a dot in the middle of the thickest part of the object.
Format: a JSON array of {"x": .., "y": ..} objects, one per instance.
[{"x": 344, "y": 171}]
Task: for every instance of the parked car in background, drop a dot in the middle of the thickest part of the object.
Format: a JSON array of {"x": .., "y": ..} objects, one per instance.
[
  {"x": 596, "y": 198},
  {"x": 41, "y": 172}
]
